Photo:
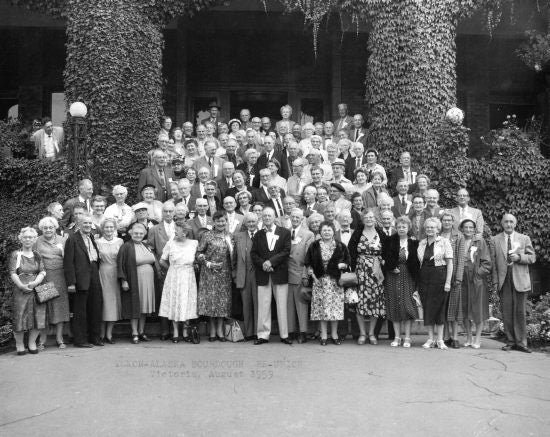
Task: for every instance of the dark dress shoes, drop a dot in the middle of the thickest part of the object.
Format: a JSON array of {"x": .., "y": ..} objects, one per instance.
[
  {"x": 302, "y": 338},
  {"x": 506, "y": 347},
  {"x": 286, "y": 340},
  {"x": 222, "y": 339},
  {"x": 98, "y": 343},
  {"x": 517, "y": 347},
  {"x": 261, "y": 341},
  {"x": 83, "y": 345},
  {"x": 21, "y": 353},
  {"x": 143, "y": 337},
  {"x": 323, "y": 341},
  {"x": 109, "y": 340},
  {"x": 249, "y": 338},
  {"x": 212, "y": 339},
  {"x": 33, "y": 351},
  {"x": 336, "y": 341},
  {"x": 164, "y": 337},
  {"x": 449, "y": 343},
  {"x": 455, "y": 344}
]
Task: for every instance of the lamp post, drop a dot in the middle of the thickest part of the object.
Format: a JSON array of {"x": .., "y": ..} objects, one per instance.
[{"x": 78, "y": 123}]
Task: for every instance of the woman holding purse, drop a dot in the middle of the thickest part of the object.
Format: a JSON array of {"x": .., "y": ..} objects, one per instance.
[
  {"x": 325, "y": 260},
  {"x": 401, "y": 266},
  {"x": 26, "y": 272}
]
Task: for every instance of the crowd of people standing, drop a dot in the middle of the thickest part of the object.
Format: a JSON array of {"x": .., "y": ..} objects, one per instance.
[{"x": 248, "y": 210}]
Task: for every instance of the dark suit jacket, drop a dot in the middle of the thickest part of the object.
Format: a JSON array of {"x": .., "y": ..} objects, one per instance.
[
  {"x": 218, "y": 204},
  {"x": 398, "y": 209},
  {"x": 242, "y": 261},
  {"x": 196, "y": 192},
  {"x": 222, "y": 186},
  {"x": 233, "y": 192},
  {"x": 283, "y": 171},
  {"x": 317, "y": 207},
  {"x": 196, "y": 228},
  {"x": 68, "y": 211},
  {"x": 315, "y": 260},
  {"x": 259, "y": 195},
  {"x": 370, "y": 197},
  {"x": 397, "y": 173},
  {"x": 76, "y": 262},
  {"x": 350, "y": 166},
  {"x": 255, "y": 170},
  {"x": 278, "y": 256},
  {"x": 271, "y": 204},
  {"x": 362, "y": 136},
  {"x": 149, "y": 176},
  {"x": 190, "y": 203},
  {"x": 390, "y": 254},
  {"x": 157, "y": 239}
]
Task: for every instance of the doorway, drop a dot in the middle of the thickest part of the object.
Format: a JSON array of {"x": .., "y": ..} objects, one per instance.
[{"x": 260, "y": 103}]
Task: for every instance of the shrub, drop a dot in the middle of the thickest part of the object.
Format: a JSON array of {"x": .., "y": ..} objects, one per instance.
[{"x": 538, "y": 321}]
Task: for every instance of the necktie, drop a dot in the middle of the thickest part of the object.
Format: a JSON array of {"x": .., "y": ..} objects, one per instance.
[
  {"x": 293, "y": 234},
  {"x": 210, "y": 162},
  {"x": 356, "y": 134},
  {"x": 358, "y": 163},
  {"x": 279, "y": 207},
  {"x": 403, "y": 203},
  {"x": 509, "y": 257},
  {"x": 251, "y": 234},
  {"x": 162, "y": 179},
  {"x": 229, "y": 183},
  {"x": 406, "y": 174}
]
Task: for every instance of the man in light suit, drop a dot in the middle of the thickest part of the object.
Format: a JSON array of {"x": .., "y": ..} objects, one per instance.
[
  {"x": 270, "y": 252},
  {"x": 210, "y": 160},
  {"x": 301, "y": 238},
  {"x": 201, "y": 222},
  {"x": 512, "y": 253},
  {"x": 297, "y": 182},
  {"x": 184, "y": 188},
  {"x": 160, "y": 175},
  {"x": 157, "y": 238},
  {"x": 81, "y": 264},
  {"x": 463, "y": 211},
  {"x": 244, "y": 275},
  {"x": 345, "y": 121},
  {"x": 48, "y": 141},
  {"x": 234, "y": 220}
]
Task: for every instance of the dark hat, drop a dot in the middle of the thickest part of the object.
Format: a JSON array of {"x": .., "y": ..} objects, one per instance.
[
  {"x": 214, "y": 104},
  {"x": 177, "y": 161},
  {"x": 147, "y": 186},
  {"x": 467, "y": 219},
  {"x": 338, "y": 187}
]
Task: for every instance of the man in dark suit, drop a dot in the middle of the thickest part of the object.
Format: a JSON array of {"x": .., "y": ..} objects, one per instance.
[
  {"x": 261, "y": 194},
  {"x": 214, "y": 117},
  {"x": 157, "y": 238},
  {"x": 353, "y": 163},
  {"x": 275, "y": 201},
  {"x": 80, "y": 264},
  {"x": 270, "y": 252},
  {"x": 513, "y": 252},
  {"x": 358, "y": 134},
  {"x": 405, "y": 171},
  {"x": 184, "y": 188},
  {"x": 159, "y": 175},
  {"x": 244, "y": 275},
  {"x": 403, "y": 201},
  {"x": 210, "y": 160},
  {"x": 225, "y": 181},
  {"x": 270, "y": 153},
  {"x": 86, "y": 191},
  {"x": 201, "y": 222}
]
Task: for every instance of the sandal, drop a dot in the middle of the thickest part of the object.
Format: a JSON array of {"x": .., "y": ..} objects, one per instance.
[
  {"x": 41, "y": 346},
  {"x": 362, "y": 339},
  {"x": 396, "y": 342},
  {"x": 372, "y": 339},
  {"x": 407, "y": 342}
]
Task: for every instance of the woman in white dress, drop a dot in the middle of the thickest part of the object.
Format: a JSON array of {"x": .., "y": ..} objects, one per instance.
[
  {"x": 109, "y": 246},
  {"x": 120, "y": 211},
  {"x": 179, "y": 295}
]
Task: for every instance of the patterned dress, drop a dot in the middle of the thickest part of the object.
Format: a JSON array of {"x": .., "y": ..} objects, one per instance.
[
  {"x": 52, "y": 256},
  {"x": 145, "y": 260},
  {"x": 400, "y": 287},
  {"x": 108, "y": 251},
  {"x": 371, "y": 280},
  {"x": 27, "y": 312},
  {"x": 215, "y": 285},
  {"x": 179, "y": 295},
  {"x": 327, "y": 298}
]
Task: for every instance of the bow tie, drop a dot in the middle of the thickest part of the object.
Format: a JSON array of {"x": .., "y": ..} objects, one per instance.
[
  {"x": 344, "y": 232},
  {"x": 266, "y": 229}
]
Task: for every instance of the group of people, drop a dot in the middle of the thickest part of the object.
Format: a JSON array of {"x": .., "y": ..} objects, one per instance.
[{"x": 301, "y": 214}]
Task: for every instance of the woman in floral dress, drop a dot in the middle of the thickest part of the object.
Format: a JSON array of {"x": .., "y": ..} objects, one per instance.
[
  {"x": 325, "y": 260},
  {"x": 214, "y": 254},
  {"x": 365, "y": 247}
]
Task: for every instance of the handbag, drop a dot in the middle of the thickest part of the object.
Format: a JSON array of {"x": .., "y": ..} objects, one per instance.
[
  {"x": 348, "y": 279},
  {"x": 305, "y": 294},
  {"x": 194, "y": 334},
  {"x": 350, "y": 296},
  {"x": 46, "y": 292},
  {"x": 418, "y": 301},
  {"x": 233, "y": 331}
]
